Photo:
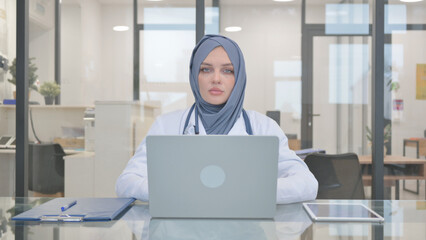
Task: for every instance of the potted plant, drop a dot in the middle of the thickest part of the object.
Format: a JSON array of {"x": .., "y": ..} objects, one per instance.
[
  {"x": 386, "y": 135},
  {"x": 49, "y": 90},
  {"x": 32, "y": 76}
]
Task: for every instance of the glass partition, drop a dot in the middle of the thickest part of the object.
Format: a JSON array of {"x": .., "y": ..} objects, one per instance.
[
  {"x": 314, "y": 72},
  {"x": 406, "y": 92},
  {"x": 344, "y": 15},
  {"x": 7, "y": 90},
  {"x": 341, "y": 89},
  {"x": 340, "y": 116},
  {"x": 269, "y": 35}
]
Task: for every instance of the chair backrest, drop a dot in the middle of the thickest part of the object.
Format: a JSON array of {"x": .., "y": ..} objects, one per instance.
[
  {"x": 275, "y": 115},
  {"x": 339, "y": 175},
  {"x": 46, "y": 168}
]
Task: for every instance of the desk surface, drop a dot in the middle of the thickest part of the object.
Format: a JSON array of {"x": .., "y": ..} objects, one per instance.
[{"x": 403, "y": 220}]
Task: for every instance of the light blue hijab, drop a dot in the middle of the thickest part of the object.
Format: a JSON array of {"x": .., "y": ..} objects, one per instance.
[{"x": 218, "y": 119}]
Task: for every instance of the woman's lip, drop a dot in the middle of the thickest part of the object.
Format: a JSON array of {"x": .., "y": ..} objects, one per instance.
[{"x": 215, "y": 91}]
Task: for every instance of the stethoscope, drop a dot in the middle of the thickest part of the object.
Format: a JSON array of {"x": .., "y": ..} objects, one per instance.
[{"x": 197, "y": 130}]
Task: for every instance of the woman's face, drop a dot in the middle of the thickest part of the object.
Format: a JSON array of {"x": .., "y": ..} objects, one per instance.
[{"x": 216, "y": 78}]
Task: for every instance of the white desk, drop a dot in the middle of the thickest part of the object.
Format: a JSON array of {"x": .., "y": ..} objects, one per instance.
[
  {"x": 404, "y": 220},
  {"x": 7, "y": 172},
  {"x": 79, "y": 175}
]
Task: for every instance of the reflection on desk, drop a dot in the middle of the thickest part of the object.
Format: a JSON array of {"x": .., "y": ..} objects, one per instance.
[{"x": 403, "y": 220}]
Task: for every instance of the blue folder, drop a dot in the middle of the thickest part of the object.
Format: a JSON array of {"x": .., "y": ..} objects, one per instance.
[{"x": 85, "y": 209}]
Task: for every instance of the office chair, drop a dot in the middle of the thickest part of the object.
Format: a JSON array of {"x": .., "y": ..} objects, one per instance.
[
  {"x": 275, "y": 115},
  {"x": 46, "y": 168},
  {"x": 339, "y": 175}
]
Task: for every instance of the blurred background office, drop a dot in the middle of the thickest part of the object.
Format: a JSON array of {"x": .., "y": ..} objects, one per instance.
[{"x": 308, "y": 61}]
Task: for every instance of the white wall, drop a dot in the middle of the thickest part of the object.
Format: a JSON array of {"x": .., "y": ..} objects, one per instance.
[
  {"x": 117, "y": 53},
  {"x": 42, "y": 48},
  {"x": 97, "y": 62},
  {"x": 6, "y": 88},
  {"x": 409, "y": 51},
  {"x": 91, "y": 45},
  {"x": 71, "y": 55},
  {"x": 412, "y": 123}
]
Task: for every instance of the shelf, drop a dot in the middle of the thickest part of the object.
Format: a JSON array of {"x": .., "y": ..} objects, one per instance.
[{"x": 47, "y": 106}]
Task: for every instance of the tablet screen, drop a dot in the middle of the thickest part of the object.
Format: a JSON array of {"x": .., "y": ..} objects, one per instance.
[
  {"x": 341, "y": 212},
  {"x": 4, "y": 140}
]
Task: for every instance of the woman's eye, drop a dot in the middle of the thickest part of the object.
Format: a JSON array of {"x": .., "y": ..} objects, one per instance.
[
  {"x": 206, "y": 70},
  {"x": 228, "y": 71}
]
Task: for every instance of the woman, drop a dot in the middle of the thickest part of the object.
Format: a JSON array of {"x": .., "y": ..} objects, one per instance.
[{"x": 218, "y": 80}]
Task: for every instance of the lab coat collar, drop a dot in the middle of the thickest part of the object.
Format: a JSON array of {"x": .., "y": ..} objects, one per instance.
[{"x": 239, "y": 127}]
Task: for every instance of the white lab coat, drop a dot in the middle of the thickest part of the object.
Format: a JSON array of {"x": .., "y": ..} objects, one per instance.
[{"x": 295, "y": 182}]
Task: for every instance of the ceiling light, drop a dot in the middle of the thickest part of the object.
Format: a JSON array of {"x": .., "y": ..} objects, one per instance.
[
  {"x": 120, "y": 28},
  {"x": 233, "y": 29},
  {"x": 283, "y": 0},
  {"x": 410, "y": 0}
]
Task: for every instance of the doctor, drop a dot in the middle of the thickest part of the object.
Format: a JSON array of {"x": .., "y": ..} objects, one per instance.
[{"x": 218, "y": 80}]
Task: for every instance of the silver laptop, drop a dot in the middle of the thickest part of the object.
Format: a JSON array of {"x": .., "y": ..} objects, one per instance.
[{"x": 212, "y": 176}]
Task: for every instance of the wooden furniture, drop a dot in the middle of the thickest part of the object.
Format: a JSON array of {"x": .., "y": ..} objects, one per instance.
[
  {"x": 294, "y": 144},
  {"x": 420, "y": 145},
  {"x": 413, "y": 168}
]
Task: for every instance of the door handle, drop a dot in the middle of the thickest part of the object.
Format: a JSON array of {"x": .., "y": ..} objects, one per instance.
[{"x": 315, "y": 115}]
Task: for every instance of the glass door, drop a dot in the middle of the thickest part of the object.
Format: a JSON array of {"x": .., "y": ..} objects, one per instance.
[{"x": 340, "y": 82}]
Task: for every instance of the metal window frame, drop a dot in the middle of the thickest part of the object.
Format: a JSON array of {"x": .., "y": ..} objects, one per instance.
[
  {"x": 377, "y": 110},
  {"x": 58, "y": 48},
  {"x": 21, "y": 155}
]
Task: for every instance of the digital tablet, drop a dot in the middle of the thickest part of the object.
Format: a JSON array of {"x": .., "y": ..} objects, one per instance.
[
  {"x": 12, "y": 144},
  {"x": 341, "y": 212},
  {"x": 5, "y": 140}
]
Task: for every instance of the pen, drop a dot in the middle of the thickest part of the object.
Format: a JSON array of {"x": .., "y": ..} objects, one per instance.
[{"x": 69, "y": 205}]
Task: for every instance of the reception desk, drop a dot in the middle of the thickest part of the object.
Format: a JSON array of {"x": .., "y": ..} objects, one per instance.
[{"x": 403, "y": 220}]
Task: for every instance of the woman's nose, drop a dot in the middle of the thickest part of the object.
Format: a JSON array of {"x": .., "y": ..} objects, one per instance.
[{"x": 216, "y": 77}]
